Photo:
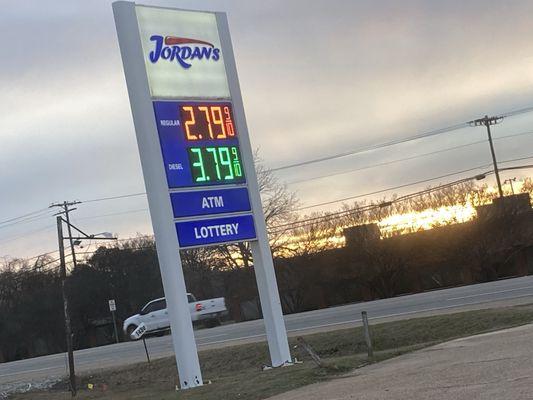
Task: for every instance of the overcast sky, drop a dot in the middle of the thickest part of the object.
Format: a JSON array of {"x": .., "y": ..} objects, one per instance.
[{"x": 318, "y": 78}]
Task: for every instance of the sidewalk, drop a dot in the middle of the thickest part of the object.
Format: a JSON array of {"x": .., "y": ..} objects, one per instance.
[{"x": 494, "y": 366}]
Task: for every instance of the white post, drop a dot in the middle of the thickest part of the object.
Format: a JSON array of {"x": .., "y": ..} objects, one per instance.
[
  {"x": 262, "y": 257},
  {"x": 158, "y": 196}
]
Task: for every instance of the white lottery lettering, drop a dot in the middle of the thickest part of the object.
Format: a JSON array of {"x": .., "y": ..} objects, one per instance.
[{"x": 212, "y": 231}]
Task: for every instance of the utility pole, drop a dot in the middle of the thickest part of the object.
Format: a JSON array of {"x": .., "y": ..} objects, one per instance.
[
  {"x": 65, "y": 206},
  {"x": 510, "y": 182},
  {"x": 68, "y": 328},
  {"x": 488, "y": 121},
  {"x": 63, "y": 273}
]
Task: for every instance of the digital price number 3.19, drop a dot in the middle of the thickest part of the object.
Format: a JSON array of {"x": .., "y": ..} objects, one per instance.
[{"x": 207, "y": 126}]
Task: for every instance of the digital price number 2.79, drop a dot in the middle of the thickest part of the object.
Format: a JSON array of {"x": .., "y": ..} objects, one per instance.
[
  {"x": 207, "y": 122},
  {"x": 215, "y": 164}
]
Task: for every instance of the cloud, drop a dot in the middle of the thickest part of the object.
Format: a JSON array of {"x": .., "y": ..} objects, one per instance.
[{"x": 317, "y": 78}]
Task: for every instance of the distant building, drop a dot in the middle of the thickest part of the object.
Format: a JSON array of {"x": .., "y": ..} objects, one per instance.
[
  {"x": 514, "y": 204},
  {"x": 511, "y": 205},
  {"x": 501, "y": 234},
  {"x": 355, "y": 235}
]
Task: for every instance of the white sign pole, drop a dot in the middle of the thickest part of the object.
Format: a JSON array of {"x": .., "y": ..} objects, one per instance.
[
  {"x": 112, "y": 309},
  {"x": 157, "y": 193},
  {"x": 262, "y": 256}
]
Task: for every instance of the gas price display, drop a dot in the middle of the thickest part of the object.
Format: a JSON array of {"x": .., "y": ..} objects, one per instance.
[
  {"x": 217, "y": 163},
  {"x": 207, "y": 122},
  {"x": 199, "y": 142}
]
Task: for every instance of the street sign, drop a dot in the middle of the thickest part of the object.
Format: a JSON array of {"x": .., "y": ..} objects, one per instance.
[
  {"x": 200, "y": 147},
  {"x": 138, "y": 332},
  {"x": 112, "y": 306},
  {"x": 196, "y": 157}
]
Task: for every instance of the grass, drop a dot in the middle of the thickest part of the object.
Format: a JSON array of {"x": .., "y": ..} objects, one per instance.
[{"x": 235, "y": 372}]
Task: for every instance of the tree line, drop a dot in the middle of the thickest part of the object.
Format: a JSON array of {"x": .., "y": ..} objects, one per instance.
[{"x": 313, "y": 267}]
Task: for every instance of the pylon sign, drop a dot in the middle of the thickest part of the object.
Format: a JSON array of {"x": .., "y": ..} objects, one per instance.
[{"x": 196, "y": 157}]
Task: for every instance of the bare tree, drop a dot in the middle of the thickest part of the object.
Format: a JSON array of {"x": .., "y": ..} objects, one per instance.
[
  {"x": 527, "y": 187},
  {"x": 314, "y": 236},
  {"x": 279, "y": 205},
  {"x": 381, "y": 267},
  {"x": 493, "y": 241}
]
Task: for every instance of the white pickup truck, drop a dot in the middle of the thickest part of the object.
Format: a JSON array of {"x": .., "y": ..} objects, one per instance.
[{"x": 155, "y": 314}]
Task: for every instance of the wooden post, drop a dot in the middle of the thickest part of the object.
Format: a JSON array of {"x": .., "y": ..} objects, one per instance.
[
  {"x": 310, "y": 351},
  {"x": 368, "y": 338}
]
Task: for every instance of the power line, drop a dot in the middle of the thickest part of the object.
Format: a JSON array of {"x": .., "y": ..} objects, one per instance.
[
  {"x": 113, "y": 214},
  {"x": 344, "y": 213},
  {"x": 25, "y": 220},
  {"x": 518, "y": 112},
  {"x": 95, "y": 251},
  {"x": 333, "y": 215},
  {"x": 296, "y": 224},
  {"x": 84, "y": 252},
  {"x": 10, "y": 239},
  {"x": 324, "y": 176},
  {"x": 114, "y": 197},
  {"x": 406, "y": 185},
  {"x": 339, "y": 214},
  {"x": 393, "y": 142},
  {"x": 42, "y": 255},
  {"x": 518, "y": 166},
  {"x": 43, "y": 213},
  {"x": 49, "y": 262},
  {"x": 23, "y": 216},
  {"x": 385, "y": 163},
  {"x": 391, "y": 188},
  {"x": 344, "y": 154},
  {"x": 372, "y": 147},
  {"x": 427, "y": 134}
]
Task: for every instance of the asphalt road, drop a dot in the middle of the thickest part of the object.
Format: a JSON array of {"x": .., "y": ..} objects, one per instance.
[{"x": 36, "y": 371}]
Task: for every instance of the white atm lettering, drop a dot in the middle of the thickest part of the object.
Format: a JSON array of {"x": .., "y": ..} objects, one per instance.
[
  {"x": 212, "y": 202},
  {"x": 211, "y": 231}
]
